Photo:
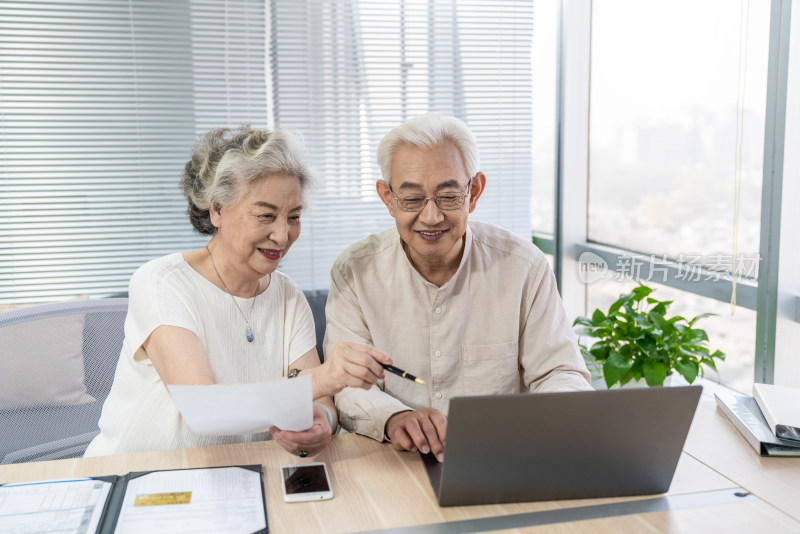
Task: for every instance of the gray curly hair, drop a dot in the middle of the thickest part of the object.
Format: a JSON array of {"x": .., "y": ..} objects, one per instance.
[{"x": 225, "y": 161}]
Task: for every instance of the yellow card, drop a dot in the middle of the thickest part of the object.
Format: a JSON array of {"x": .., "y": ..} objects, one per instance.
[{"x": 157, "y": 499}]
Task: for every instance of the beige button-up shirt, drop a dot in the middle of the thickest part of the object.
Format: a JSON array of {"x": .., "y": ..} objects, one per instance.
[{"x": 497, "y": 326}]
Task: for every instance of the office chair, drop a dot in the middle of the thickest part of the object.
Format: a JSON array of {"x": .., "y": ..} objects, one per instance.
[{"x": 57, "y": 365}]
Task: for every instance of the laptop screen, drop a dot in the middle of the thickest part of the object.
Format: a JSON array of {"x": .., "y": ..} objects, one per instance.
[{"x": 572, "y": 445}]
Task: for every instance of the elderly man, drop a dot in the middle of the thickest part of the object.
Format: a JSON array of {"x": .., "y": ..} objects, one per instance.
[{"x": 469, "y": 307}]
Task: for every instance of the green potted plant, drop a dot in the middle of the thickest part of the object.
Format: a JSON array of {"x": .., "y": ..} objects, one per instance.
[{"x": 636, "y": 339}]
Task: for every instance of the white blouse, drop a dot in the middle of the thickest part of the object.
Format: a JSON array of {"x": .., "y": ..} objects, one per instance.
[{"x": 139, "y": 414}]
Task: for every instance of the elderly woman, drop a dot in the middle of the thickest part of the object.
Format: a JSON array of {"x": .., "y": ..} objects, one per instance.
[{"x": 223, "y": 313}]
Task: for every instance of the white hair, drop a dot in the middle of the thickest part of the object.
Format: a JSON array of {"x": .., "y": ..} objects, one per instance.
[{"x": 428, "y": 131}]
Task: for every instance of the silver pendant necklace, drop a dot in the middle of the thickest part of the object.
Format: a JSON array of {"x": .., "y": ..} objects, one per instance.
[{"x": 250, "y": 336}]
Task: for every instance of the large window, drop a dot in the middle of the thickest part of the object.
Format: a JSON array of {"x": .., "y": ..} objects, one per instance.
[
  {"x": 665, "y": 114},
  {"x": 676, "y": 120},
  {"x": 673, "y": 169}
]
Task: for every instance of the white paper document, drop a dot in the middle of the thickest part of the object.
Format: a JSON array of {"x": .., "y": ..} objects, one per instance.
[
  {"x": 228, "y": 409},
  {"x": 193, "y": 501},
  {"x": 55, "y": 507}
]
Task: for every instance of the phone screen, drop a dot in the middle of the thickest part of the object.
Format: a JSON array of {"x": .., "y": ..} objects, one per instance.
[{"x": 304, "y": 479}]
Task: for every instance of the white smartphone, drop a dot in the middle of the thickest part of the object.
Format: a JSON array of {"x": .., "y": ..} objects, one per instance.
[{"x": 306, "y": 482}]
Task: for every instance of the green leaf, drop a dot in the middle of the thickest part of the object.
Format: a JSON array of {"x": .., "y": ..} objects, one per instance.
[
  {"x": 642, "y": 320},
  {"x": 662, "y": 324},
  {"x": 584, "y": 331},
  {"x": 615, "y": 368},
  {"x": 718, "y": 354},
  {"x": 618, "y": 304},
  {"x": 627, "y": 315},
  {"x": 688, "y": 369},
  {"x": 693, "y": 351},
  {"x": 655, "y": 372},
  {"x": 598, "y": 317},
  {"x": 651, "y": 349},
  {"x": 701, "y": 316},
  {"x": 640, "y": 292},
  {"x": 631, "y": 332},
  {"x": 694, "y": 335},
  {"x": 585, "y": 321},
  {"x": 603, "y": 332},
  {"x": 633, "y": 374},
  {"x": 600, "y": 350},
  {"x": 627, "y": 378},
  {"x": 661, "y": 308}
]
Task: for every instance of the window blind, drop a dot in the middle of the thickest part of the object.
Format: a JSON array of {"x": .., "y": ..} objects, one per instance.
[
  {"x": 100, "y": 103},
  {"x": 344, "y": 73}
]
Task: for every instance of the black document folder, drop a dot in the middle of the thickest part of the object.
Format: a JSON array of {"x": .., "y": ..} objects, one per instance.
[
  {"x": 229, "y": 499},
  {"x": 746, "y": 416}
]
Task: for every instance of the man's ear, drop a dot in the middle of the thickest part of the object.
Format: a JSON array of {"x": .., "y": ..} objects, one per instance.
[
  {"x": 386, "y": 195},
  {"x": 476, "y": 190}
]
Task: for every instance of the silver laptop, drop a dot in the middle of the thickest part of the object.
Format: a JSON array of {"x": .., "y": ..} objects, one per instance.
[{"x": 547, "y": 446}]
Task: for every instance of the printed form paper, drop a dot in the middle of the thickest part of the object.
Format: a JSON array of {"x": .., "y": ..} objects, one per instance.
[
  {"x": 57, "y": 506},
  {"x": 223, "y": 499},
  {"x": 228, "y": 409}
]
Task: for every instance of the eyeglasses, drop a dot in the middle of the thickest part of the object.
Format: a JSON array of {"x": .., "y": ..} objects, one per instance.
[{"x": 443, "y": 201}]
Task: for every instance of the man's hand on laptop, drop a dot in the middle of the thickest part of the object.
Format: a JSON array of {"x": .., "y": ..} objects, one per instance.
[{"x": 418, "y": 430}]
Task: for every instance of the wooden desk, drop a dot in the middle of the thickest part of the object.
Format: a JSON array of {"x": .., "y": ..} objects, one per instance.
[
  {"x": 715, "y": 442},
  {"x": 378, "y": 488}
]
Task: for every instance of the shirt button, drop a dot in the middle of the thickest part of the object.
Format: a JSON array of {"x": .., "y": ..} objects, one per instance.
[
  {"x": 437, "y": 353},
  {"x": 437, "y": 395},
  {"x": 438, "y": 310}
]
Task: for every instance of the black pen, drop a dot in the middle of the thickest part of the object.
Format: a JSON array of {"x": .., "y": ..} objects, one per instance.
[{"x": 400, "y": 372}]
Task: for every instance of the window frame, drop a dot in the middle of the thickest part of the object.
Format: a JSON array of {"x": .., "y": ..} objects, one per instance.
[{"x": 570, "y": 238}]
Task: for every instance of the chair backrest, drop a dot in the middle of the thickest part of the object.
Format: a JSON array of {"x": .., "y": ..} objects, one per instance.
[
  {"x": 58, "y": 363},
  {"x": 317, "y": 299}
]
